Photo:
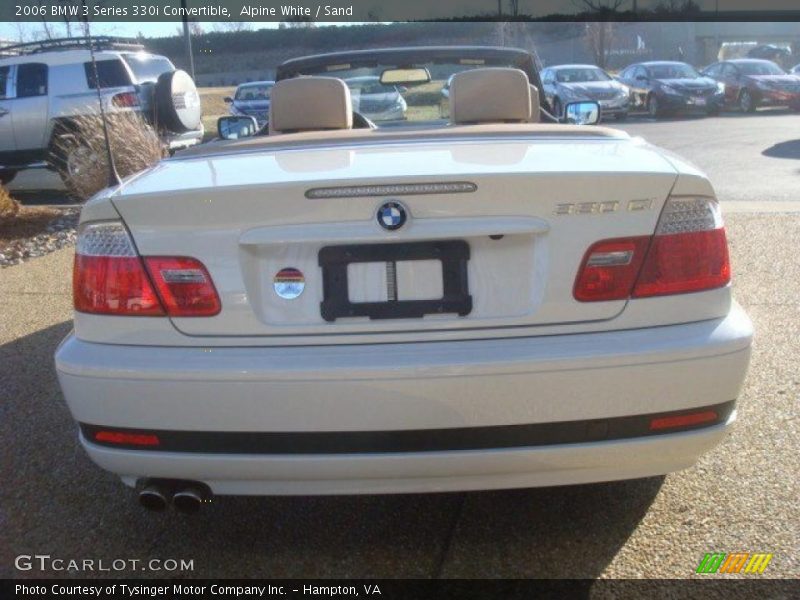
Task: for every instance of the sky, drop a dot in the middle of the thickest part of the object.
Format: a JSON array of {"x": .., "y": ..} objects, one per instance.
[{"x": 10, "y": 31}]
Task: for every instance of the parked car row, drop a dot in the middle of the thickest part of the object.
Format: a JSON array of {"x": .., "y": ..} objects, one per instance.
[
  {"x": 749, "y": 83},
  {"x": 370, "y": 97},
  {"x": 667, "y": 87},
  {"x": 570, "y": 83}
]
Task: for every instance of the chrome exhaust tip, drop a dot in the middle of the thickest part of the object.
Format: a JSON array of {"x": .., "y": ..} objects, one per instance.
[
  {"x": 189, "y": 500},
  {"x": 153, "y": 497}
]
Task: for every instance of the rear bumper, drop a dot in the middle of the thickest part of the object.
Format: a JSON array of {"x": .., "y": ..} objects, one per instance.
[
  {"x": 179, "y": 141},
  {"x": 613, "y": 111},
  {"x": 778, "y": 98},
  {"x": 353, "y": 390},
  {"x": 418, "y": 472},
  {"x": 688, "y": 104}
]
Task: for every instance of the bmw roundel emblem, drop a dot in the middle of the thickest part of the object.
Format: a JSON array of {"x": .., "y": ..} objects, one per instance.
[{"x": 392, "y": 215}]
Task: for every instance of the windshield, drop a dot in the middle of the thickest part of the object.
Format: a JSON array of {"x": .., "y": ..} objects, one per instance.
[
  {"x": 256, "y": 91},
  {"x": 369, "y": 86},
  {"x": 403, "y": 104},
  {"x": 760, "y": 68},
  {"x": 673, "y": 71},
  {"x": 147, "y": 67},
  {"x": 581, "y": 75}
]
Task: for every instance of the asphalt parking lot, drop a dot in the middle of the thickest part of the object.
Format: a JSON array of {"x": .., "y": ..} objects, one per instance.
[{"x": 744, "y": 496}]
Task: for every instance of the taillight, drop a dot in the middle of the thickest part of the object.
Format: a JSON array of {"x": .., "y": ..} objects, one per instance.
[
  {"x": 609, "y": 269},
  {"x": 184, "y": 286},
  {"x": 110, "y": 278},
  {"x": 125, "y": 100},
  {"x": 688, "y": 253}
]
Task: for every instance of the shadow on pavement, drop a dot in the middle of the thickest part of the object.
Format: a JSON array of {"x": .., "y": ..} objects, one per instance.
[
  {"x": 30, "y": 197},
  {"x": 790, "y": 149},
  {"x": 55, "y": 501}
]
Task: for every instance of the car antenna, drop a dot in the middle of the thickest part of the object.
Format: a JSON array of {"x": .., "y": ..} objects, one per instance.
[{"x": 113, "y": 175}]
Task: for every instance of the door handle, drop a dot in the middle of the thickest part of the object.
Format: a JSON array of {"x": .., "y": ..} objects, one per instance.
[{"x": 3, "y": 112}]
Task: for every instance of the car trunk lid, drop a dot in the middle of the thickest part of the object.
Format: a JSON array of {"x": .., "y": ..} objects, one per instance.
[{"x": 510, "y": 220}]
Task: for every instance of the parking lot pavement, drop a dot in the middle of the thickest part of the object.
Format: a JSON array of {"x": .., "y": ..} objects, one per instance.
[
  {"x": 744, "y": 496},
  {"x": 749, "y": 157}
]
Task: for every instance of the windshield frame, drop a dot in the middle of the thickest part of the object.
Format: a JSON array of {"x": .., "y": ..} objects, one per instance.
[
  {"x": 603, "y": 75},
  {"x": 653, "y": 70},
  {"x": 253, "y": 84},
  {"x": 490, "y": 56}
]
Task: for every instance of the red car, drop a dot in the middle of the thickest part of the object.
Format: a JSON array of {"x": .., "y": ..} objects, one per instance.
[{"x": 750, "y": 83}]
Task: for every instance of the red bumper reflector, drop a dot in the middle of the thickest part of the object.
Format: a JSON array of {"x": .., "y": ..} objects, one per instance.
[
  {"x": 683, "y": 420},
  {"x": 128, "y": 439}
]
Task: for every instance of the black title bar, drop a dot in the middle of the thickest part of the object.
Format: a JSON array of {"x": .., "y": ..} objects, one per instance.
[{"x": 383, "y": 10}]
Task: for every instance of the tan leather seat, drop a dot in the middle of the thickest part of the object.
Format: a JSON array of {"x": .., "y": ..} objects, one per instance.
[
  {"x": 493, "y": 95},
  {"x": 310, "y": 104}
]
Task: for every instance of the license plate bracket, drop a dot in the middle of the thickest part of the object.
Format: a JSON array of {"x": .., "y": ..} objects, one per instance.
[{"x": 454, "y": 255}]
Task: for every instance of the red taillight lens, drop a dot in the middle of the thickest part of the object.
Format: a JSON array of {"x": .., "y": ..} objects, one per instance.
[
  {"x": 688, "y": 253},
  {"x": 184, "y": 286},
  {"x": 109, "y": 277},
  {"x": 113, "y": 285},
  {"x": 685, "y": 262},
  {"x": 127, "y": 438},
  {"x": 125, "y": 100},
  {"x": 609, "y": 269}
]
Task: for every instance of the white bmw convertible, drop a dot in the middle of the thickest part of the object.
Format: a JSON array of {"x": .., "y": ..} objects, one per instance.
[{"x": 334, "y": 306}]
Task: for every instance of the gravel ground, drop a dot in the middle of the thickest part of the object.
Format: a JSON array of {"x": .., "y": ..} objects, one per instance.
[
  {"x": 60, "y": 233},
  {"x": 744, "y": 496}
]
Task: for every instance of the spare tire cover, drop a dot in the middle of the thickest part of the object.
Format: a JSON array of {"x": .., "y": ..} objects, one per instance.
[{"x": 177, "y": 101}]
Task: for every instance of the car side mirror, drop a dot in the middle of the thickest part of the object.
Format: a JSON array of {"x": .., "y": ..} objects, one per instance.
[
  {"x": 227, "y": 100},
  {"x": 582, "y": 113},
  {"x": 236, "y": 127}
]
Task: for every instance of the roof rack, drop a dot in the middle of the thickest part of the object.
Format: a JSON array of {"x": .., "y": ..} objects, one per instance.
[{"x": 100, "y": 42}]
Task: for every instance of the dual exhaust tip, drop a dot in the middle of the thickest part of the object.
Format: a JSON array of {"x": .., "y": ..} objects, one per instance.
[{"x": 186, "y": 497}]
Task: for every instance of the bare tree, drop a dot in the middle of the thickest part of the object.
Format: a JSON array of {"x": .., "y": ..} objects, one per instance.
[
  {"x": 599, "y": 35},
  {"x": 300, "y": 23},
  {"x": 514, "y": 7},
  {"x": 232, "y": 26},
  {"x": 72, "y": 9},
  {"x": 599, "y": 38},
  {"x": 600, "y": 6},
  {"x": 677, "y": 6},
  {"x": 23, "y": 33}
]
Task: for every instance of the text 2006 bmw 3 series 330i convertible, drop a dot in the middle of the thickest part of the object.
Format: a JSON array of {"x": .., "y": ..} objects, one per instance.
[{"x": 336, "y": 306}]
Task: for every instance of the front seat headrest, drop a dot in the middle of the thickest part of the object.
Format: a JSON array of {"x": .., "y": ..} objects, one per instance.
[
  {"x": 310, "y": 104},
  {"x": 490, "y": 95}
]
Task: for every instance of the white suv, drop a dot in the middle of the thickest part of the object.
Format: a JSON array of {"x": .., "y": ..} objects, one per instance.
[{"x": 44, "y": 86}]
